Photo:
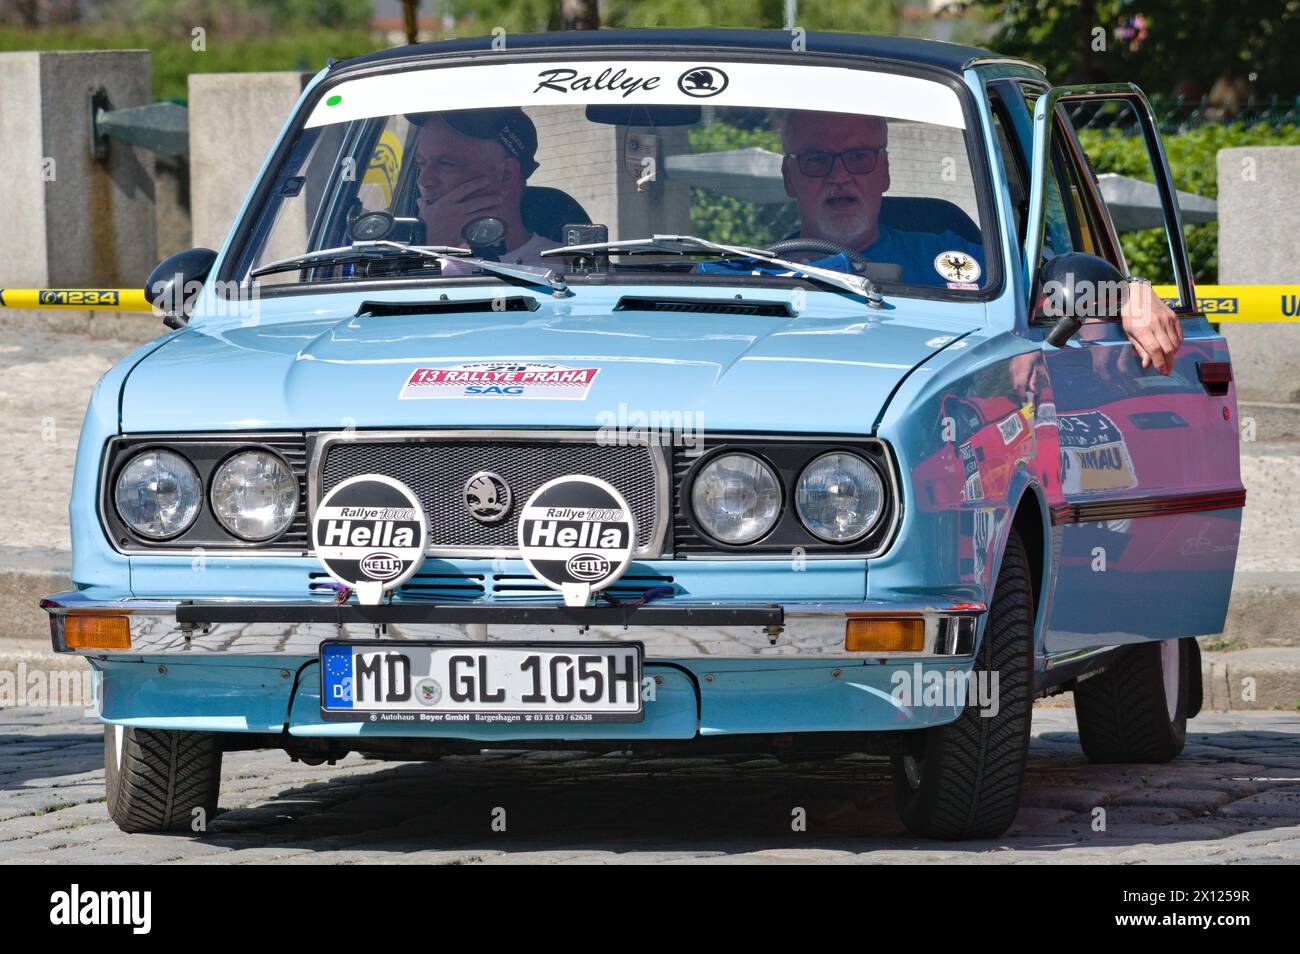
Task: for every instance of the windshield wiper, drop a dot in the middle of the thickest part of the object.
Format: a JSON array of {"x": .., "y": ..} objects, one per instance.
[
  {"x": 693, "y": 245},
  {"x": 384, "y": 249}
]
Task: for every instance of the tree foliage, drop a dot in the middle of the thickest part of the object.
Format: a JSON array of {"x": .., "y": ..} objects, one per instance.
[
  {"x": 528, "y": 16},
  {"x": 1159, "y": 44},
  {"x": 1192, "y": 164}
]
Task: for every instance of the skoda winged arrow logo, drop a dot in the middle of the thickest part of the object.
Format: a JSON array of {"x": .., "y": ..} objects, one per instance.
[
  {"x": 487, "y": 497},
  {"x": 702, "y": 81}
]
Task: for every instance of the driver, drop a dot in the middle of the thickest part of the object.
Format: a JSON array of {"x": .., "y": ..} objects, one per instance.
[
  {"x": 836, "y": 168},
  {"x": 473, "y": 164}
]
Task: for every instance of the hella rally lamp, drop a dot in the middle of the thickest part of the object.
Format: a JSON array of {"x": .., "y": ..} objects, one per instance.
[{"x": 576, "y": 534}]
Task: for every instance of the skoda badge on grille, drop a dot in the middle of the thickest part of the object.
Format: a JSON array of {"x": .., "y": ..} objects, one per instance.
[{"x": 487, "y": 497}]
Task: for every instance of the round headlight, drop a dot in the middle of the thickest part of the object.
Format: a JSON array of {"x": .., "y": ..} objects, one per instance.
[
  {"x": 158, "y": 494},
  {"x": 839, "y": 497},
  {"x": 736, "y": 498},
  {"x": 254, "y": 495}
]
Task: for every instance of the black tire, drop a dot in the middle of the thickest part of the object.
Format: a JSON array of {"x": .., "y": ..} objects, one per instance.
[
  {"x": 963, "y": 780},
  {"x": 1123, "y": 711},
  {"x": 156, "y": 777}
]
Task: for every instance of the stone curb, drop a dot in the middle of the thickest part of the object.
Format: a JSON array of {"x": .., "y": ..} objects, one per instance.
[
  {"x": 1261, "y": 614},
  {"x": 1251, "y": 679},
  {"x": 115, "y": 325},
  {"x": 1273, "y": 421},
  {"x": 26, "y": 577}
]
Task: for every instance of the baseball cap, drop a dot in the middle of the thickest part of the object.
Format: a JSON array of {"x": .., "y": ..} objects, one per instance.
[{"x": 508, "y": 125}]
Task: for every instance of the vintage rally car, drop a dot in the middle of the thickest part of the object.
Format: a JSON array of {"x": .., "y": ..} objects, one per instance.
[{"x": 741, "y": 390}]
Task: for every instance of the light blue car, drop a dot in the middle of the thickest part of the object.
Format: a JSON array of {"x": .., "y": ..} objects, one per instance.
[{"x": 722, "y": 389}]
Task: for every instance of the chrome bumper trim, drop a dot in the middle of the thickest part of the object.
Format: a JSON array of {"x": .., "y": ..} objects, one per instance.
[{"x": 812, "y": 630}]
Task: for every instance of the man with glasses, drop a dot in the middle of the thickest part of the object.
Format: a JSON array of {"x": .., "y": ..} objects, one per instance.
[{"x": 836, "y": 168}]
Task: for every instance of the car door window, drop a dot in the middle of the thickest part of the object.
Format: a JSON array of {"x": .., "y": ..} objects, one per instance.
[
  {"x": 1072, "y": 222},
  {"x": 1014, "y": 164},
  {"x": 1109, "y": 135}
]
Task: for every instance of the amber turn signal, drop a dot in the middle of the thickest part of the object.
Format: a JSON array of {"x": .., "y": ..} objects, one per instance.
[
  {"x": 97, "y": 632},
  {"x": 866, "y": 634}
]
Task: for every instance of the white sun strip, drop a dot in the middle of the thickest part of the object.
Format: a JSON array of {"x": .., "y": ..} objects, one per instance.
[{"x": 640, "y": 82}]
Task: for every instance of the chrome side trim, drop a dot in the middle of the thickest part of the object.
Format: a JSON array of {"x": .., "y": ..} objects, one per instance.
[
  {"x": 658, "y": 457},
  {"x": 993, "y": 60},
  {"x": 1075, "y": 656}
]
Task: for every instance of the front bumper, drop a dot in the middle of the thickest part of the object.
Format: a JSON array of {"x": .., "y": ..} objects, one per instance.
[{"x": 669, "y": 630}]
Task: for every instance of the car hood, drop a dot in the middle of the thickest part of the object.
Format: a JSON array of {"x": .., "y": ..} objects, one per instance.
[{"x": 825, "y": 371}]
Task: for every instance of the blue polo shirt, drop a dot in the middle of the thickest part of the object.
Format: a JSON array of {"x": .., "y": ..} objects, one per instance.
[{"x": 916, "y": 253}]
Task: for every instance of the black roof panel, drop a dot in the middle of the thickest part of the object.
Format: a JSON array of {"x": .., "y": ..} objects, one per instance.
[{"x": 933, "y": 53}]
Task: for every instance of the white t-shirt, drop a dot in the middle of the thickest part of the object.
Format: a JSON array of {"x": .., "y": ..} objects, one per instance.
[
  {"x": 530, "y": 252},
  {"x": 527, "y": 254}
]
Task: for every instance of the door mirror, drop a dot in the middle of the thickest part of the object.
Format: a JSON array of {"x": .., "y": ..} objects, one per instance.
[
  {"x": 1074, "y": 287},
  {"x": 174, "y": 283}
]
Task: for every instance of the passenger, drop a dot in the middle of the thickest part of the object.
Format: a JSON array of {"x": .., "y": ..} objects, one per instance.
[{"x": 472, "y": 164}]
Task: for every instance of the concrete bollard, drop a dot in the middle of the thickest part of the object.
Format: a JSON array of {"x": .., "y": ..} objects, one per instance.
[
  {"x": 1259, "y": 244},
  {"x": 234, "y": 121},
  {"x": 72, "y": 221}
]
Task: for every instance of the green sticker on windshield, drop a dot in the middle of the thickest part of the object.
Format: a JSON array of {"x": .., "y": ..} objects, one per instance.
[{"x": 334, "y": 100}]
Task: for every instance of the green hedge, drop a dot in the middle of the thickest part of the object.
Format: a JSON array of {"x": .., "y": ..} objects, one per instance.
[
  {"x": 722, "y": 218},
  {"x": 1193, "y": 165},
  {"x": 173, "y": 59}
]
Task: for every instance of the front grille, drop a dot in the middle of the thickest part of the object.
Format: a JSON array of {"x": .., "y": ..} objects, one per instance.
[
  {"x": 294, "y": 451},
  {"x": 436, "y": 470}
]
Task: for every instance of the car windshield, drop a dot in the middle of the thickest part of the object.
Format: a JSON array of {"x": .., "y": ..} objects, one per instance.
[{"x": 857, "y": 171}]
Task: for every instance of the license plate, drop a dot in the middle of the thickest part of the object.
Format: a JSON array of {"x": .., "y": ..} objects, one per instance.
[{"x": 520, "y": 683}]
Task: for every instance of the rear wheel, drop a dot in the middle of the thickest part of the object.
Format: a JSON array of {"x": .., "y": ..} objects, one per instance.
[
  {"x": 1135, "y": 710},
  {"x": 157, "y": 778},
  {"x": 963, "y": 780}
]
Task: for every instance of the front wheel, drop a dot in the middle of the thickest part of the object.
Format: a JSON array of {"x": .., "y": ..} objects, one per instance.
[
  {"x": 963, "y": 780},
  {"x": 1135, "y": 710},
  {"x": 161, "y": 780}
]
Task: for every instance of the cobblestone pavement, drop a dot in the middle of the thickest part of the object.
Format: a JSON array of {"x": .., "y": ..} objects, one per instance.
[{"x": 1234, "y": 796}]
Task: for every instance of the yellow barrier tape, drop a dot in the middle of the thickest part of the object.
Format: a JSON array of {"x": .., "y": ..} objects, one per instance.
[
  {"x": 1220, "y": 303},
  {"x": 1242, "y": 303},
  {"x": 81, "y": 299}
]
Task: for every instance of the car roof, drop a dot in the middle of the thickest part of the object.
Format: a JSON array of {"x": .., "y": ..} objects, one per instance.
[{"x": 953, "y": 57}]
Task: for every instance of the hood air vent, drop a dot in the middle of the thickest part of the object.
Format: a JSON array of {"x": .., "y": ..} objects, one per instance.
[
  {"x": 445, "y": 306},
  {"x": 711, "y": 306}
]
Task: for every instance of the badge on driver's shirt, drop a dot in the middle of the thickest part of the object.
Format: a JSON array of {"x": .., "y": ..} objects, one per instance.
[{"x": 957, "y": 267}]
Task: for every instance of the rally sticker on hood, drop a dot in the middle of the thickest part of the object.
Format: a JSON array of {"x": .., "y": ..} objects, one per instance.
[
  {"x": 370, "y": 533},
  {"x": 545, "y": 382},
  {"x": 576, "y": 535}
]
